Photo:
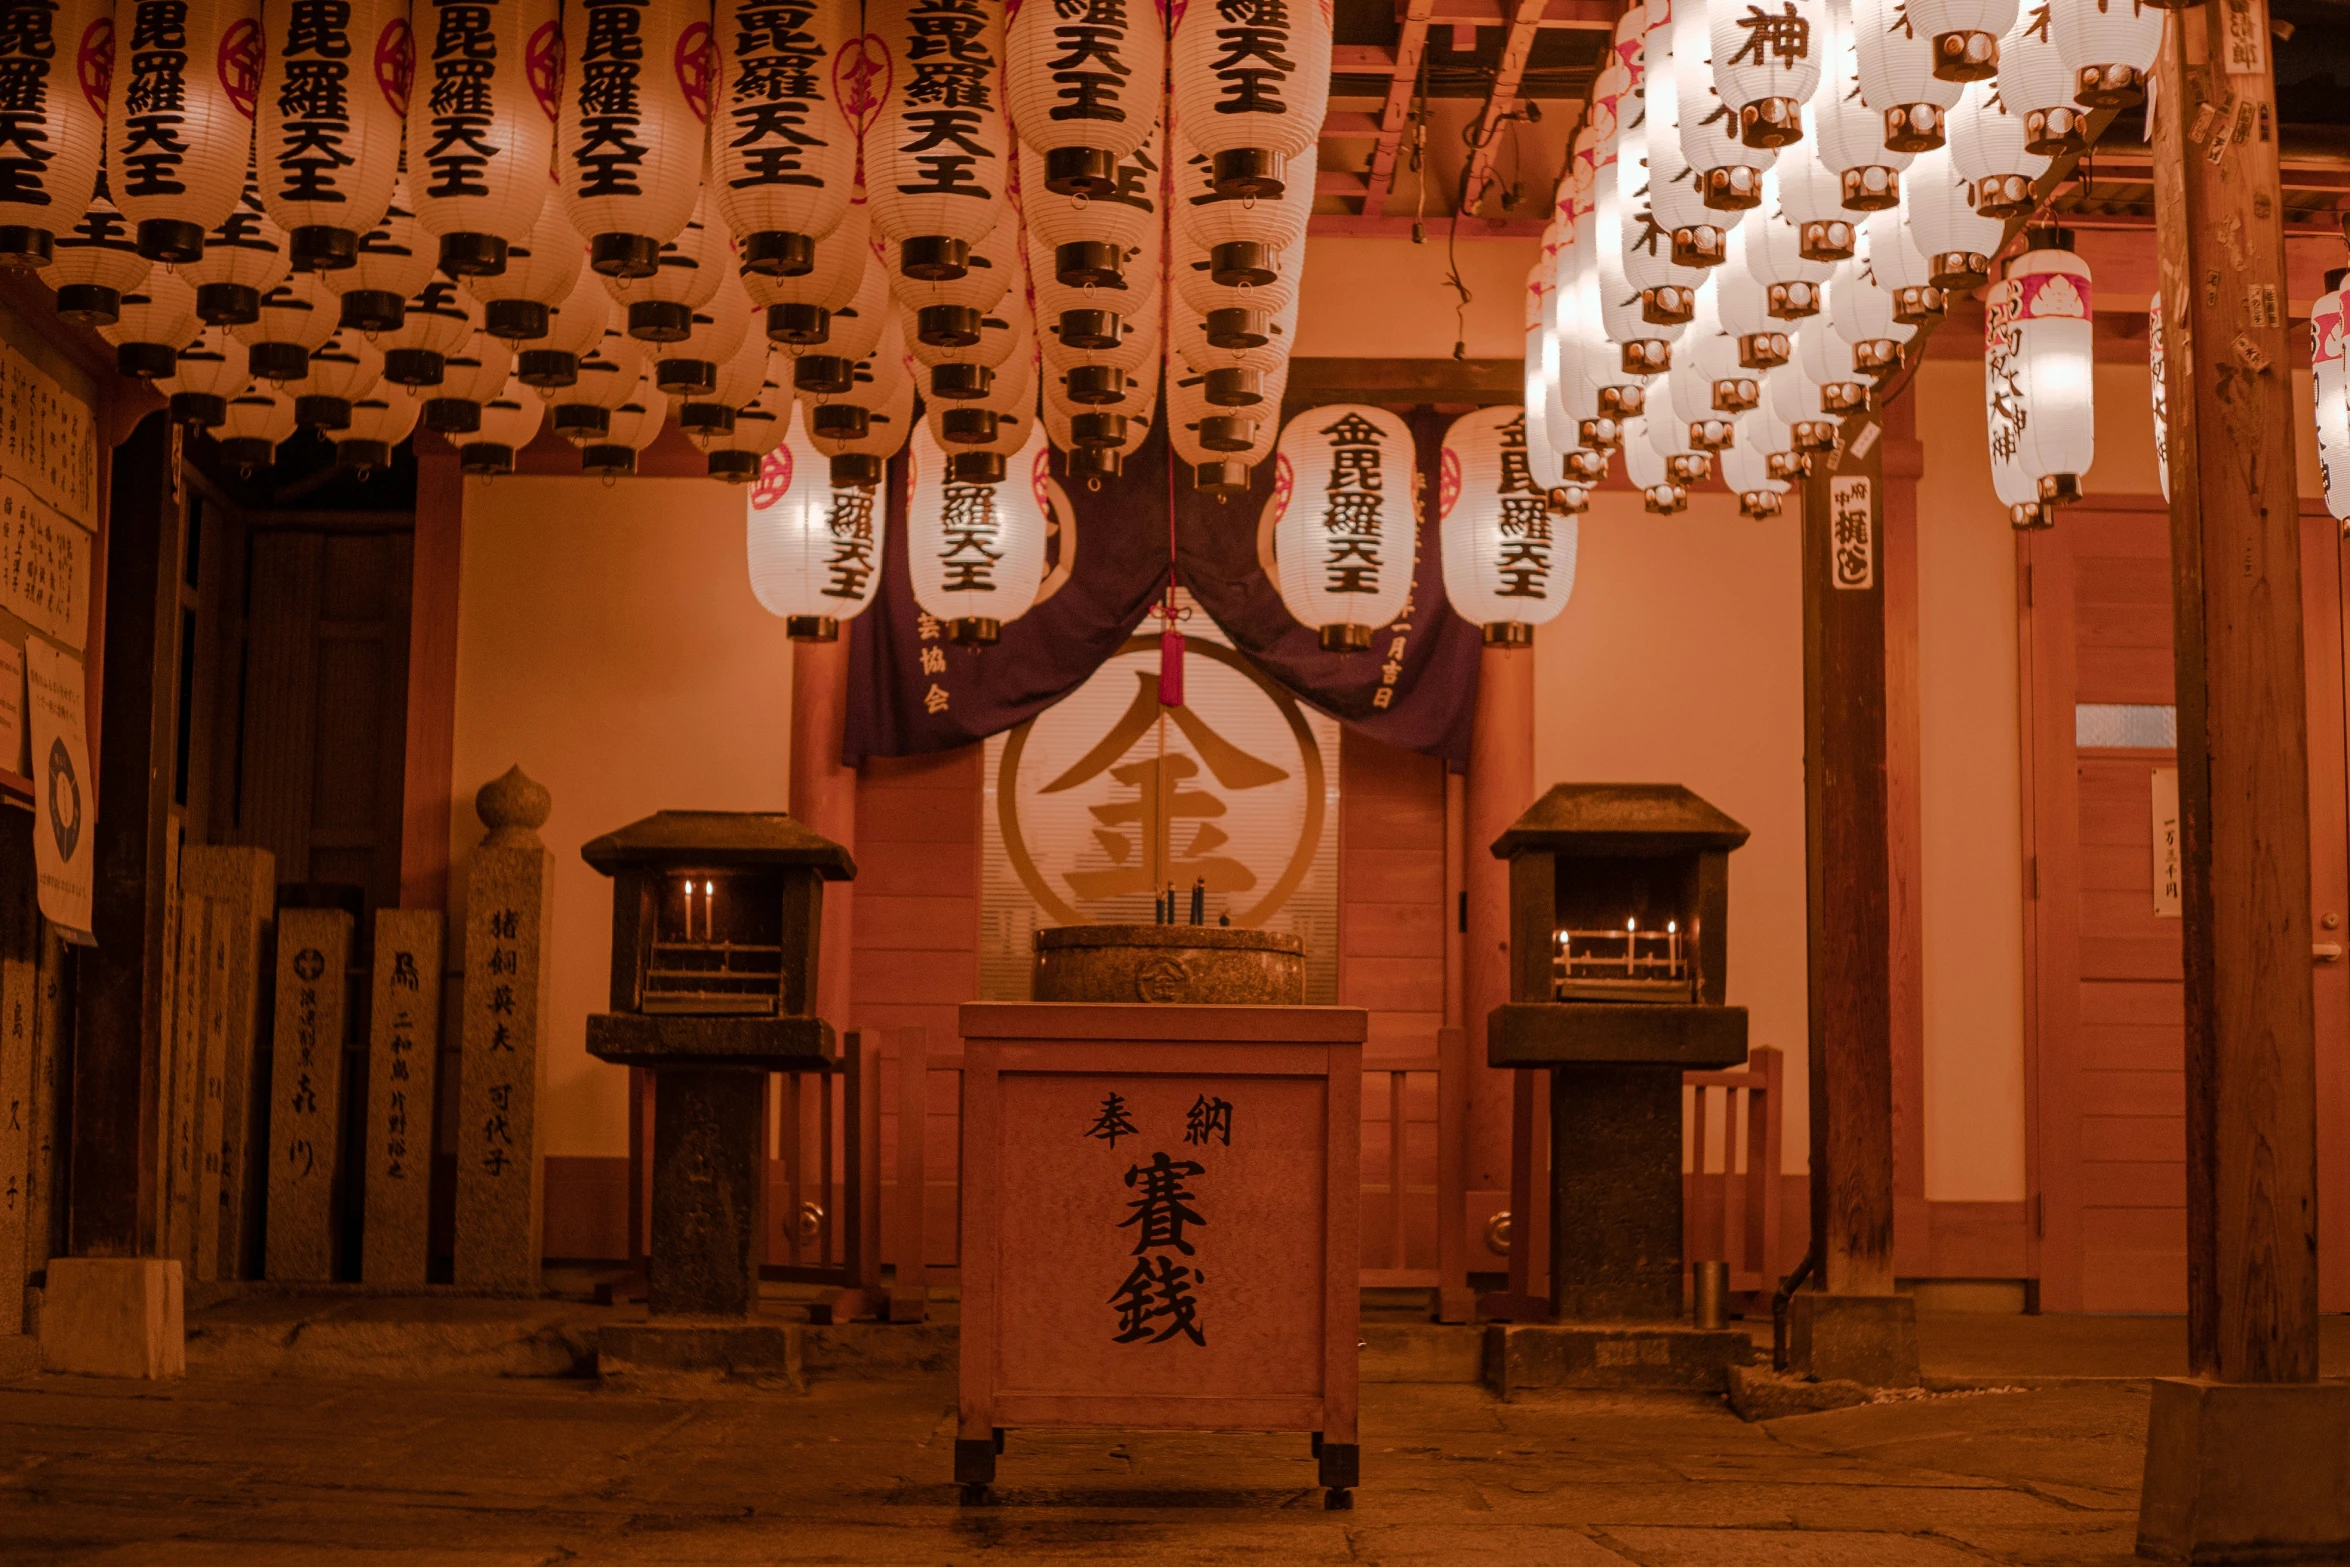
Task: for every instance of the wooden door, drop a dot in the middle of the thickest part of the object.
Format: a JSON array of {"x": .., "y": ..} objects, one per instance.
[{"x": 2104, "y": 1026}]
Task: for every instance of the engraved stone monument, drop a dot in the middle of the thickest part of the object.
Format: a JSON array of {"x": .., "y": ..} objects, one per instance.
[
  {"x": 305, "y": 1092},
  {"x": 404, "y": 1034}
]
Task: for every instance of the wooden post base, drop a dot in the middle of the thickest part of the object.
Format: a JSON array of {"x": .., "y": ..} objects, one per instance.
[
  {"x": 1869, "y": 1339},
  {"x": 2243, "y": 1472}
]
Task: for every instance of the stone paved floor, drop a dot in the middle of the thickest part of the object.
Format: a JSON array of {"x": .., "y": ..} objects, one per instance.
[{"x": 285, "y": 1471}]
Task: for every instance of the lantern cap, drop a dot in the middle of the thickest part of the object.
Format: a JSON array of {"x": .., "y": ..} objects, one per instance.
[
  {"x": 460, "y": 415},
  {"x": 1237, "y": 326},
  {"x": 1091, "y": 330},
  {"x": 321, "y": 412},
  {"x": 1243, "y": 263},
  {"x": 414, "y": 367},
  {"x": 861, "y": 470},
  {"x": 1249, "y": 171},
  {"x": 1229, "y": 476},
  {"x": 807, "y": 628},
  {"x": 467, "y": 254},
  {"x": 200, "y": 408},
  {"x": 660, "y": 320},
  {"x": 686, "y": 377},
  {"x": 92, "y": 304},
  {"x": 146, "y": 361},
  {"x": 1508, "y": 633},
  {"x": 1081, "y": 171},
  {"x": 948, "y": 326},
  {"x": 1234, "y": 386},
  {"x": 172, "y": 241},
  {"x": 624, "y": 255},
  {"x": 971, "y": 467},
  {"x": 609, "y": 459},
  {"x": 518, "y": 320},
  {"x": 934, "y": 258},
  {"x": 218, "y": 304},
  {"x": 723, "y": 840},
  {"x": 486, "y": 457},
  {"x": 840, "y": 421},
  {"x": 1089, "y": 263},
  {"x": 548, "y": 367},
  {"x": 21, "y": 246},
  {"x": 800, "y": 326},
  {"x": 778, "y": 253},
  {"x": 359, "y": 452},
  {"x": 954, "y": 381},
  {"x": 2050, "y": 238},
  {"x": 315, "y": 247},
  {"x": 967, "y": 426},
  {"x": 826, "y": 375},
  {"x": 1345, "y": 637},
  {"x": 975, "y": 631},
  {"x": 734, "y": 467},
  {"x": 1095, "y": 384},
  {"x": 373, "y": 310},
  {"x": 1619, "y": 819},
  {"x": 248, "y": 451}
]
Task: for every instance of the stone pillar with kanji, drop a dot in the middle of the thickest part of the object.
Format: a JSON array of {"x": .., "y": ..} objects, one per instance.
[{"x": 509, "y": 907}]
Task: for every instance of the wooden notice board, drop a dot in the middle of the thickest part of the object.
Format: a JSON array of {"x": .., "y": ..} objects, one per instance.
[{"x": 1160, "y": 1227}]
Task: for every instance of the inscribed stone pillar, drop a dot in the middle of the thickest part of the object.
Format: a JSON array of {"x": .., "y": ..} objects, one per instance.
[
  {"x": 305, "y": 1089},
  {"x": 238, "y": 887},
  {"x": 404, "y": 1034},
  {"x": 20, "y": 947},
  {"x": 509, "y": 908}
]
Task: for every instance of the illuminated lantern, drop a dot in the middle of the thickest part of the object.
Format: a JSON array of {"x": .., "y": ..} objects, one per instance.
[
  {"x": 709, "y": 411},
  {"x": 608, "y": 376},
  {"x": 937, "y": 151},
  {"x": 630, "y": 141},
  {"x": 441, "y": 319},
  {"x": 259, "y": 418},
  {"x": 1726, "y": 386},
  {"x": 1773, "y": 243},
  {"x": 1250, "y": 88},
  {"x": 342, "y": 372},
  {"x": 1957, "y": 241},
  {"x": 634, "y": 425},
  {"x": 2035, "y": 87},
  {"x": 1085, "y": 83},
  {"x": 946, "y": 312},
  {"x": 689, "y": 367},
  {"x": 799, "y": 308},
  {"x": 53, "y": 127},
  {"x": 1643, "y": 297},
  {"x": 2331, "y": 402},
  {"x": 1096, "y": 463},
  {"x": 1895, "y": 61},
  {"x": 179, "y": 119},
  {"x": 1092, "y": 239},
  {"x": 95, "y": 263},
  {"x": 661, "y": 310},
  {"x": 1675, "y": 194},
  {"x": 211, "y": 370},
  {"x": 1890, "y": 251},
  {"x": 1101, "y": 375},
  {"x": 2161, "y": 399},
  {"x": 2037, "y": 356},
  {"x": 508, "y": 422},
  {"x": 1810, "y": 199},
  {"x": 1766, "y": 63},
  {"x": 1793, "y": 399},
  {"x": 964, "y": 372},
  {"x": 1847, "y": 133},
  {"x": 155, "y": 321},
  {"x": 1962, "y": 36},
  {"x": 853, "y": 329},
  {"x": 1987, "y": 152},
  {"x": 1235, "y": 357},
  {"x": 1727, "y": 172},
  {"x": 1509, "y": 566},
  {"x": 1240, "y": 238},
  {"x": 393, "y": 264},
  {"x": 976, "y": 551},
  {"x": 1746, "y": 469},
  {"x": 574, "y": 327},
  {"x": 1218, "y": 448},
  {"x": 1695, "y": 425},
  {"x": 542, "y": 271},
  {"x": 1644, "y": 466},
  {"x": 1013, "y": 409},
  {"x": 470, "y": 378},
  {"x": 481, "y": 126},
  {"x": 1344, "y": 521},
  {"x": 243, "y": 259},
  {"x": 334, "y": 103},
  {"x": 1825, "y": 359},
  {"x": 814, "y": 551},
  {"x": 869, "y": 424},
  {"x": 294, "y": 321},
  {"x": 379, "y": 422},
  {"x": 783, "y": 157},
  {"x": 2006, "y": 411},
  {"x": 2107, "y": 46},
  {"x": 1861, "y": 311},
  {"x": 757, "y": 428},
  {"x": 1744, "y": 303}
]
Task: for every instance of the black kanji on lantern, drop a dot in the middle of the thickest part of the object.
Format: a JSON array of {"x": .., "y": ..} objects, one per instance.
[
  {"x": 154, "y": 103},
  {"x": 27, "y": 48},
  {"x": 464, "y": 69},
  {"x": 314, "y": 99},
  {"x": 850, "y": 534},
  {"x": 1353, "y": 506},
  {"x": 773, "y": 89},
  {"x": 967, "y": 529},
  {"x": 952, "y": 82},
  {"x": 1089, "y": 71},
  {"x": 611, "y": 110},
  {"x": 1784, "y": 38},
  {"x": 1251, "y": 67}
]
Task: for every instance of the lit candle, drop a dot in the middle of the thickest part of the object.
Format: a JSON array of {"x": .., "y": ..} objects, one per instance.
[{"x": 710, "y": 910}]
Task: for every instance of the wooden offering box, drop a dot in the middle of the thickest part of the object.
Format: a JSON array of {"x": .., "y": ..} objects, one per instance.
[{"x": 1160, "y": 1223}]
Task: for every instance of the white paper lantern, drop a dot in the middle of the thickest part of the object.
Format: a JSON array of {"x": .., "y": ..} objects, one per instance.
[
  {"x": 609, "y": 374},
  {"x": 737, "y": 379},
  {"x": 1251, "y": 84},
  {"x": 1861, "y": 311},
  {"x": 2107, "y": 46},
  {"x": 2006, "y": 411},
  {"x": 259, "y": 418},
  {"x": 574, "y": 326},
  {"x": 1661, "y": 494},
  {"x": 2043, "y": 364},
  {"x": 243, "y": 259},
  {"x": 542, "y": 270},
  {"x": 1890, "y": 250},
  {"x": 1085, "y": 79},
  {"x": 1847, "y": 134},
  {"x": 814, "y": 550},
  {"x": 1895, "y": 61},
  {"x": 509, "y": 420},
  {"x": 799, "y": 307},
  {"x": 630, "y": 142},
  {"x": 852, "y": 331},
  {"x": 2161, "y": 400},
  {"x": 1728, "y": 172},
  {"x": 393, "y": 264},
  {"x": 783, "y": 155},
  {"x": 179, "y": 117},
  {"x": 1746, "y": 467},
  {"x": 1509, "y": 565},
  {"x": 342, "y": 372},
  {"x": 976, "y": 550},
  {"x": 1675, "y": 194},
  {"x": 947, "y": 311},
  {"x": 1233, "y": 242},
  {"x": 379, "y": 422},
  {"x": 440, "y": 320},
  {"x": 95, "y": 263},
  {"x": 660, "y": 306},
  {"x": 1773, "y": 237},
  {"x": 1810, "y": 198},
  {"x": 481, "y": 127},
  {"x": 1639, "y": 288},
  {"x": 295, "y": 319},
  {"x": 155, "y": 321},
  {"x": 211, "y": 370},
  {"x": 1955, "y": 240},
  {"x": 1962, "y": 36},
  {"x": 52, "y": 128},
  {"x": 938, "y": 150},
  {"x": 1219, "y": 447},
  {"x": 863, "y": 428},
  {"x": 1825, "y": 358},
  {"x": 1098, "y": 239},
  {"x": 334, "y": 104},
  {"x": 1345, "y": 521},
  {"x": 1766, "y": 63},
  {"x": 688, "y": 368},
  {"x": 1986, "y": 146},
  {"x": 634, "y": 425},
  {"x": 1794, "y": 399},
  {"x": 758, "y": 428},
  {"x": 2035, "y": 87},
  {"x": 470, "y": 379}
]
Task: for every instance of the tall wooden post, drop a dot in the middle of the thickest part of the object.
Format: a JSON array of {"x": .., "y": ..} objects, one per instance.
[
  {"x": 1851, "y": 1325},
  {"x": 824, "y": 796},
  {"x": 1504, "y": 1144},
  {"x": 2246, "y": 1456}
]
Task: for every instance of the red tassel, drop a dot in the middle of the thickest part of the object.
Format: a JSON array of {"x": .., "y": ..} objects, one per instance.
[{"x": 1170, "y": 668}]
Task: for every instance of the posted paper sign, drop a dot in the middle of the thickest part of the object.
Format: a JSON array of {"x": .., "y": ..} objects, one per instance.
[
  {"x": 2166, "y": 843},
  {"x": 65, "y": 795},
  {"x": 11, "y": 708}
]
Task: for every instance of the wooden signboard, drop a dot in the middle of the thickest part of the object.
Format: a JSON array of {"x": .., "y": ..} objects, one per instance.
[{"x": 1160, "y": 1223}]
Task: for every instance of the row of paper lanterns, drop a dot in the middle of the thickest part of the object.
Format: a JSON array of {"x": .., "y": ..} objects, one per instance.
[
  {"x": 1345, "y": 523},
  {"x": 1767, "y": 202}
]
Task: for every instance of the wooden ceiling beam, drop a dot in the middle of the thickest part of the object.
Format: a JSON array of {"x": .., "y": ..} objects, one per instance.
[
  {"x": 1525, "y": 20},
  {"x": 1411, "y": 47}
]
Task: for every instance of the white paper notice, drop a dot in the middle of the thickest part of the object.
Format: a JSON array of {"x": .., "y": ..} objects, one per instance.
[
  {"x": 2166, "y": 843},
  {"x": 11, "y": 708},
  {"x": 44, "y": 565},
  {"x": 65, "y": 796}
]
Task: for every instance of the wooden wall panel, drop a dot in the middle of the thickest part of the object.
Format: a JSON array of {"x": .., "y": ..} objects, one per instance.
[{"x": 1391, "y": 928}]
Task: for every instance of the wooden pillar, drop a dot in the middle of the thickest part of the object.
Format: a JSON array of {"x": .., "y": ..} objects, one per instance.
[
  {"x": 824, "y": 795},
  {"x": 1500, "y": 787},
  {"x": 112, "y": 1190},
  {"x": 1851, "y": 1324},
  {"x": 434, "y": 569},
  {"x": 2228, "y": 1470}
]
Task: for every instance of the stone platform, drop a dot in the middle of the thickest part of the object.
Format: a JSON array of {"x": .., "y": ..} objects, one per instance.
[{"x": 1612, "y": 1357}]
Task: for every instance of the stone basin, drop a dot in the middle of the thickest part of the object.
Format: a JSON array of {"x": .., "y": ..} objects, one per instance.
[{"x": 1200, "y": 965}]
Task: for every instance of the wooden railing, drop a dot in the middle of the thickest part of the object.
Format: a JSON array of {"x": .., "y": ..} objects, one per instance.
[
  {"x": 1732, "y": 1214},
  {"x": 1427, "y": 1216}
]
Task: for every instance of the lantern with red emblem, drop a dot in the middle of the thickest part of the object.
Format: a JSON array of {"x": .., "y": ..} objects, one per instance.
[
  {"x": 52, "y": 124},
  {"x": 629, "y": 147},
  {"x": 334, "y": 103},
  {"x": 179, "y": 120},
  {"x": 814, "y": 550},
  {"x": 1251, "y": 85},
  {"x": 783, "y": 157},
  {"x": 481, "y": 126},
  {"x": 938, "y": 150},
  {"x": 1085, "y": 82}
]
